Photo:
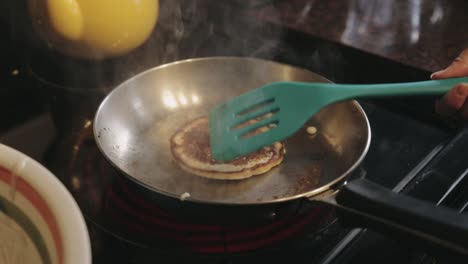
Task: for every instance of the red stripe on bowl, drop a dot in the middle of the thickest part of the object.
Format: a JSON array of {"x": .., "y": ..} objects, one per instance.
[{"x": 37, "y": 201}]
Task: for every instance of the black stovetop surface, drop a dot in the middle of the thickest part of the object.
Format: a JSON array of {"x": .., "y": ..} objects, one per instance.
[{"x": 412, "y": 150}]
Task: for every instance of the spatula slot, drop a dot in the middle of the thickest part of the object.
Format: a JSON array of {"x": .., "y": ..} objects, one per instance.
[
  {"x": 259, "y": 130},
  {"x": 255, "y": 107},
  {"x": 257, "y": 127},
  {"x": 254, "y": 118}
]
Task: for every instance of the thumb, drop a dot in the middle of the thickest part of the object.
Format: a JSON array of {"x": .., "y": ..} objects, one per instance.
[{"x": 458, "y": 68}]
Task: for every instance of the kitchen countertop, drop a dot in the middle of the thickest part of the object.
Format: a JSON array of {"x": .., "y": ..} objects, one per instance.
[{"x": 424, "y": 34}]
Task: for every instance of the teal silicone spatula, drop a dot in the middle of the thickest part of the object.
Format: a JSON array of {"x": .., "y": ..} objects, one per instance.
[{"x": 286, "y": 106}]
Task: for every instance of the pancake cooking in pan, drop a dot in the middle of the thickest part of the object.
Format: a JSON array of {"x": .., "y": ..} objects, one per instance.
[{"x": 190, "y": 147}]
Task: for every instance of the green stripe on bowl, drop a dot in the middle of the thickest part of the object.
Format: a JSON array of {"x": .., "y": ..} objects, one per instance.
[{"x": 25, "y": 223}]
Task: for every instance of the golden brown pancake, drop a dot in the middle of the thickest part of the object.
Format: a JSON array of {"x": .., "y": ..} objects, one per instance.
[{"x": 190, "y": 147}]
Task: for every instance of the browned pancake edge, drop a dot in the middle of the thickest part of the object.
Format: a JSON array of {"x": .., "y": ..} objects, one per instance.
[{"x": 190, "y": 148}]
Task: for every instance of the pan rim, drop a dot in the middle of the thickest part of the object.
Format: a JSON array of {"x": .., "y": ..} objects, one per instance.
[{"x": 309, "y": 194}]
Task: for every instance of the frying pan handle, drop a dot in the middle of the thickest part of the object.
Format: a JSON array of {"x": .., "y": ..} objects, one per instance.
[{"x": 366, "y": 204}]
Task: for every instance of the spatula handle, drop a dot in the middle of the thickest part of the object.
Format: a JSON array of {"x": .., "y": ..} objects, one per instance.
[{"x": 432, "y": 87}]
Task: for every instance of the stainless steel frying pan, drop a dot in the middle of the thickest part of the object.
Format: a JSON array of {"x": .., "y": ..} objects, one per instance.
[{"x": 134, "y": 123}]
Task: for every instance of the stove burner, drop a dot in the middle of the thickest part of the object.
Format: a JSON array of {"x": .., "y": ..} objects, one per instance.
[
  {"x": 108, "y": 201},
  {"x": 151, "y": 222}
]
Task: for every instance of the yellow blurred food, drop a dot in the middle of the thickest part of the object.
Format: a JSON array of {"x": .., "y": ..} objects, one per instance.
[{"x": 94, "y": 28}]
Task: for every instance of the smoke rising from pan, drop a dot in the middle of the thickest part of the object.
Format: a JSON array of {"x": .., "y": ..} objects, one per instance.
[{"x": 191, "y": 29}]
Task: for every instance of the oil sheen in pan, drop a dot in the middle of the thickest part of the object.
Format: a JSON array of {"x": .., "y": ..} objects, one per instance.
[{"x": 308, "y": 159}]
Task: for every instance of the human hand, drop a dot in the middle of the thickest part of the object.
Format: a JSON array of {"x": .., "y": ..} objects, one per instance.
[{"x": 454, "y": 102}]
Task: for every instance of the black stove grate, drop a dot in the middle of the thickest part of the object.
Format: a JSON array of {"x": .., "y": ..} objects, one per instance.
[{"x": 457, "y": 194}]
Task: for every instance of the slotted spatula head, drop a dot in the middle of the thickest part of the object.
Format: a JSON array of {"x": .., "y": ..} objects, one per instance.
[{"x": 261, "y": 117}]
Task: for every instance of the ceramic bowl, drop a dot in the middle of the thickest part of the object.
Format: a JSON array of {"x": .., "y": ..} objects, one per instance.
[{"x": 40, "y": 222}]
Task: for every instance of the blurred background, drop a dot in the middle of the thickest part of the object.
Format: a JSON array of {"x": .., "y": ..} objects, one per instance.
[{"x": 60, "y": 58}]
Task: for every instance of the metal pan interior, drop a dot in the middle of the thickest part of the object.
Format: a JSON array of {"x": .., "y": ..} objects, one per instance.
[{"x": 134, "y": 123}]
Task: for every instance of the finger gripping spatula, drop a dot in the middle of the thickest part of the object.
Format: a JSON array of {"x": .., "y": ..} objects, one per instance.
[{"x": 282, "y": 108}]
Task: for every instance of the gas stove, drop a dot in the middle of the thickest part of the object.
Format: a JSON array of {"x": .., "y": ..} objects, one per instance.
[{"x": 412, "y": 151}]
